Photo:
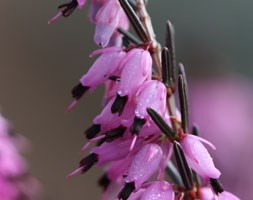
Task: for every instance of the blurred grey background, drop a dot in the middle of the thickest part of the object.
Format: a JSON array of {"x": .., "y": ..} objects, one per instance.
[{"x": 40, "y": 63}]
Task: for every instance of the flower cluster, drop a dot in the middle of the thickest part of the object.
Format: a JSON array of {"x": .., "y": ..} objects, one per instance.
[
  {"x": 139, "y": 127},
  {"x": 15, "y": 181}
]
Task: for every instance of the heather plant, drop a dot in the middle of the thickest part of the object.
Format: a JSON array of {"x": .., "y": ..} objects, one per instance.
[
  {"x": 15, "y": 181},
  {"x": 140, "y": 134}
]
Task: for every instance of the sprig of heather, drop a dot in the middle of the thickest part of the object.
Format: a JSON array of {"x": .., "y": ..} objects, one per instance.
[
  {"x": 140, "y": 127},
  {"x": 15, "y": 180}
]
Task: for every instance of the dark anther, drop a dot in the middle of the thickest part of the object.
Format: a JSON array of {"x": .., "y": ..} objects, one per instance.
[
  {"x": 129, "y": 36},
  {"x": 137, "y": 125},
  {"x": 104, "y": 181},
  {"x": 216, "y": 185},
  {"x": 114, "y": 78},
  {"x": 78, "y": 91},
  {"x": 119, "y": 104},
  {"x": 183, "y": 166},
  {"x": 68, "y": 8},
  {"x": 170, "y": 44},
  {"x": 134, "y": 19},
  {"x": 162, "y": 125},
  {"x": 126, "y": 191},
  {"x": 92, "y": 131},
  {"x": 87, "y": 162},
  {"x": 115, "y": 133},
  {"x": 100, "y": 142},
  {"x": 183, "y": 103}
]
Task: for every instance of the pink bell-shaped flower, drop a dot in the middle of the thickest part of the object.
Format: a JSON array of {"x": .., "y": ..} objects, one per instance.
[
  {"x": 160, "y": 190},
  {"x": 145, "y": 163},
  {"x": 198, "y": 157},
  {"x": 104, "y": 67},
  {"x": 106, "y": 20},
  {"x": 136, "y": 69}
]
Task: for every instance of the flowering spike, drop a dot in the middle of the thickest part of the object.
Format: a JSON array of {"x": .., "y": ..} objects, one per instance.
[
  {"x": 126, "y": 191},
  {"x": 132, "y": 16},
  {"x": 170, "y": 44},
  {"x": 163, "y": 126},
  {"x": 183, "y": 103},
  {"x": 183, "y": 166},
  {"x": 216, "y": 185}
]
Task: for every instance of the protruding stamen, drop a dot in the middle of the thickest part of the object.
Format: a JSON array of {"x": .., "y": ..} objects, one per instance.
[
  {"x": 126, "y": 191},
  {"x": 137, "y": 125},
  {"x": 130, "y": 36},
  {"x": 71, "y": 106},
  {"x": 174, "y": 174},
  {"x": 59, "y": 14},
  {"x": 92, "y": 131},
  {"x": 183, "y": 103},
  {"x": 104, "y": 181},
  {"x": 119, "y": 104},
  {"x": 87, "y": 162},
  {"x": 183, "y": 166},
  {"x": 134, "y": 19},
  {"x": 162, "y": 125},
  {"x": 216, "y": 185},
  {"x": 170, "y": 44},
  {"x": 133, "y": 142},
  {"x": 86, "y": 146},
  {"x": 78, "y": 91}
]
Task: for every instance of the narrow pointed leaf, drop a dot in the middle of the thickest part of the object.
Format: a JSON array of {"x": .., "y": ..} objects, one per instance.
[
  {"x": 130, "y": 36},
  {"x": 166, "y": 68},
  {"x": 183, "y": 166},
  {"x": 183, "y": 103},
  {"x": 174, "y": 174},
  {"x": 170, "y": 44},
  {"x": 163, "y": 126},
  {"x": 134, "y": 19}
]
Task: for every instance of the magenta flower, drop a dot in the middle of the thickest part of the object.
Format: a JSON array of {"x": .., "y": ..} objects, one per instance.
[
  {"x": 140, "y": 127},
  {"x": 108, "y": 18},
  {"x": 158, "y": 191},
  {"x": 15, "y": 181},
  {"x": 198, "y": 157}
]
